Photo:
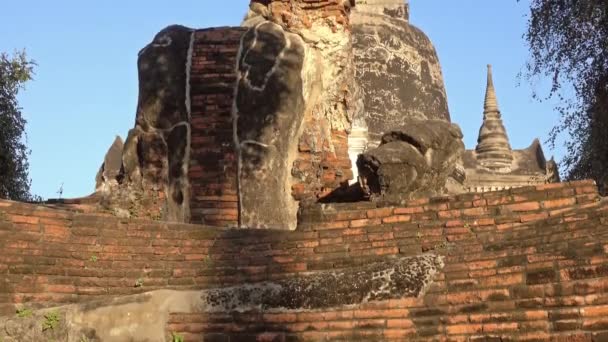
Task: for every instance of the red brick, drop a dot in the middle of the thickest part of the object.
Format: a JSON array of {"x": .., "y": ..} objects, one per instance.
[
  {"x": 24, "y": 219},
  {"x": 349, "y": 215},
  {"x": 503, "y": 280},
  {"x": 342, "y": 325},
  {"x": 448, "y": 214},
  {"x": 525, "y": 206},
  {"x": 405, "y": 303},
  {"x": 312, "y": 336},
  {"x": 338, "y": 315},
  {"x": 332, "y": 225},
  {"x": 457, "y": 230},
  {"x": 56, "y": 231},
  {"x": 280, "y": 317},
  {"x": 380, "y": 236},
  {"x": 479, "y": 211},
  {"x": 558, "y": 203},
  {"x": 533, "y": 217},
  {"x": 353, "y": 231},
  {"x": 580, "y": 190},
  {"x": 551, "y": 186},
  {"x": 499, "y": 200},
  {"x": 595, "y": 311},
  {"x": 484, "y": 222},
  {"x": 499, "y": 327},
  {"x": 463, "y": 297},
  {"x": 398, "y": 334},
  {"x": 464, "y": 329},
  {"x": 595, "y": 323},
  {"x": 454, "y": 223},
  {"x": 379, "y": 213},
  {"x": 482, "y": 273},
  {"x": 436, "y": 207},
  {"x": 482, "y": 264},
  {"x": 457, "y": 319},
  {"x": 411, "y": 210},
  {"x": 399, "y": 324},
  {"x": 489, "y": 317},
  {"x": 365, "y": 223},
  {"x": 310, "y": 317},
  {"x": 61, "y": 288},
  {"x": 269, "y": 337},
  {"x": 534, "y": 326},
  {"x": 533, "y": 315},
  {"x": 397, "y": 219}
]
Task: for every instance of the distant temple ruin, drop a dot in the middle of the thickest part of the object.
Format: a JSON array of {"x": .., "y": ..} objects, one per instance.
[{"x": 494, "y": 165}]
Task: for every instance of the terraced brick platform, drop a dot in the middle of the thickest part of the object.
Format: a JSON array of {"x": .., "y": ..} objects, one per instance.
[{"x": 528, "y": 264}]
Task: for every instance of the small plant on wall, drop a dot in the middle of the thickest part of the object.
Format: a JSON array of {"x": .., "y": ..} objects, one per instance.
[
  {"x": 51, "y": 321},
  {"x": 175, "y": 337}
]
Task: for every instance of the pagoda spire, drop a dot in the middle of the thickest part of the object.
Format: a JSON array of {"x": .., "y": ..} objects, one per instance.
[{"x": 493, "y": 149}]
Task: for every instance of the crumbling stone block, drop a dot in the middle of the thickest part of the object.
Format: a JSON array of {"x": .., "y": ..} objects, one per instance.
[{"x": 411, "y": 162}]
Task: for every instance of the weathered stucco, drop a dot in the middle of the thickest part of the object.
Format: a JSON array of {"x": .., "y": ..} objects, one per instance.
[
  {"x": 268, "y": 113},
  {"x": 397, "y": 67},
  {"x": 156, "y": 152},
  {"x": 315, "y": 100}
]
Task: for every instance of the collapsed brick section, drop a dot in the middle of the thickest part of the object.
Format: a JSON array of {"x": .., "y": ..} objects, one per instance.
[
  {"x": 524, "y": 264},
  {"x": 301, "y": 14},
  {"x": 212, "y": 159},
  {"x": 322, "y": 165}
]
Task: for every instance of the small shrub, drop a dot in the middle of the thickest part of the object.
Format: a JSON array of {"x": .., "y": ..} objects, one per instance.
[
  {"x": 175, "y": 337},
  {"x": 139, "y": 282},
  {"x": 94, "y": 258},
  {"x": 51, "y": 321},
  {"x": 24, "y": 312}
]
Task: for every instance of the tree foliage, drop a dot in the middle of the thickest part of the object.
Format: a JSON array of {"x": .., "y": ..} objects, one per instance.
[
  {"x": 15, "y": 71},
  {"x": 568, "y": 42}
]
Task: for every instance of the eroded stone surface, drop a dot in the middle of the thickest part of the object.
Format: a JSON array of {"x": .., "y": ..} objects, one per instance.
[
  {"x": 392, "y": 279},
  {"x": 414, "y": 161},
  {"x": 317, "y": 156},
  {"x": 111, "y": 167},
  {"x": 397, "y": 67},
  {"x": 268, "y": 114},
  {"x": 155, "y": 155}
]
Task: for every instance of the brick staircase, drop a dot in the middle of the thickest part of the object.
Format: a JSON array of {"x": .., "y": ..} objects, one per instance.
[{"x": 528, "y": 264}]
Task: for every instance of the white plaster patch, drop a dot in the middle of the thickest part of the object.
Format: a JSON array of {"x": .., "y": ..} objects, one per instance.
[{"x": 188, "y": 75}]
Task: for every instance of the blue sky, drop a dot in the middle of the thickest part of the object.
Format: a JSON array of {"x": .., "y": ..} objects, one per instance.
[{"x": 85, "y": 87}]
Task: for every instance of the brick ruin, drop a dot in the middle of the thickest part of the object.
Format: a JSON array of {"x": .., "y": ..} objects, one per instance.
[
  {"x": 256, "y": 121},
  {"x": 286, "y": 181}
]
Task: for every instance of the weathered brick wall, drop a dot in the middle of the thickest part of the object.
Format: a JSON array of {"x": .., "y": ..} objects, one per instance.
[
  {"x": 212, "y": 158},
  {"x": 524, "y": 264}
]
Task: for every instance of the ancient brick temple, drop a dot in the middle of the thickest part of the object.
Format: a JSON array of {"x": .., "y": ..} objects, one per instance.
[
  {"x": 256, "y": 121},
  {"x": 231, "y": 211}
]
